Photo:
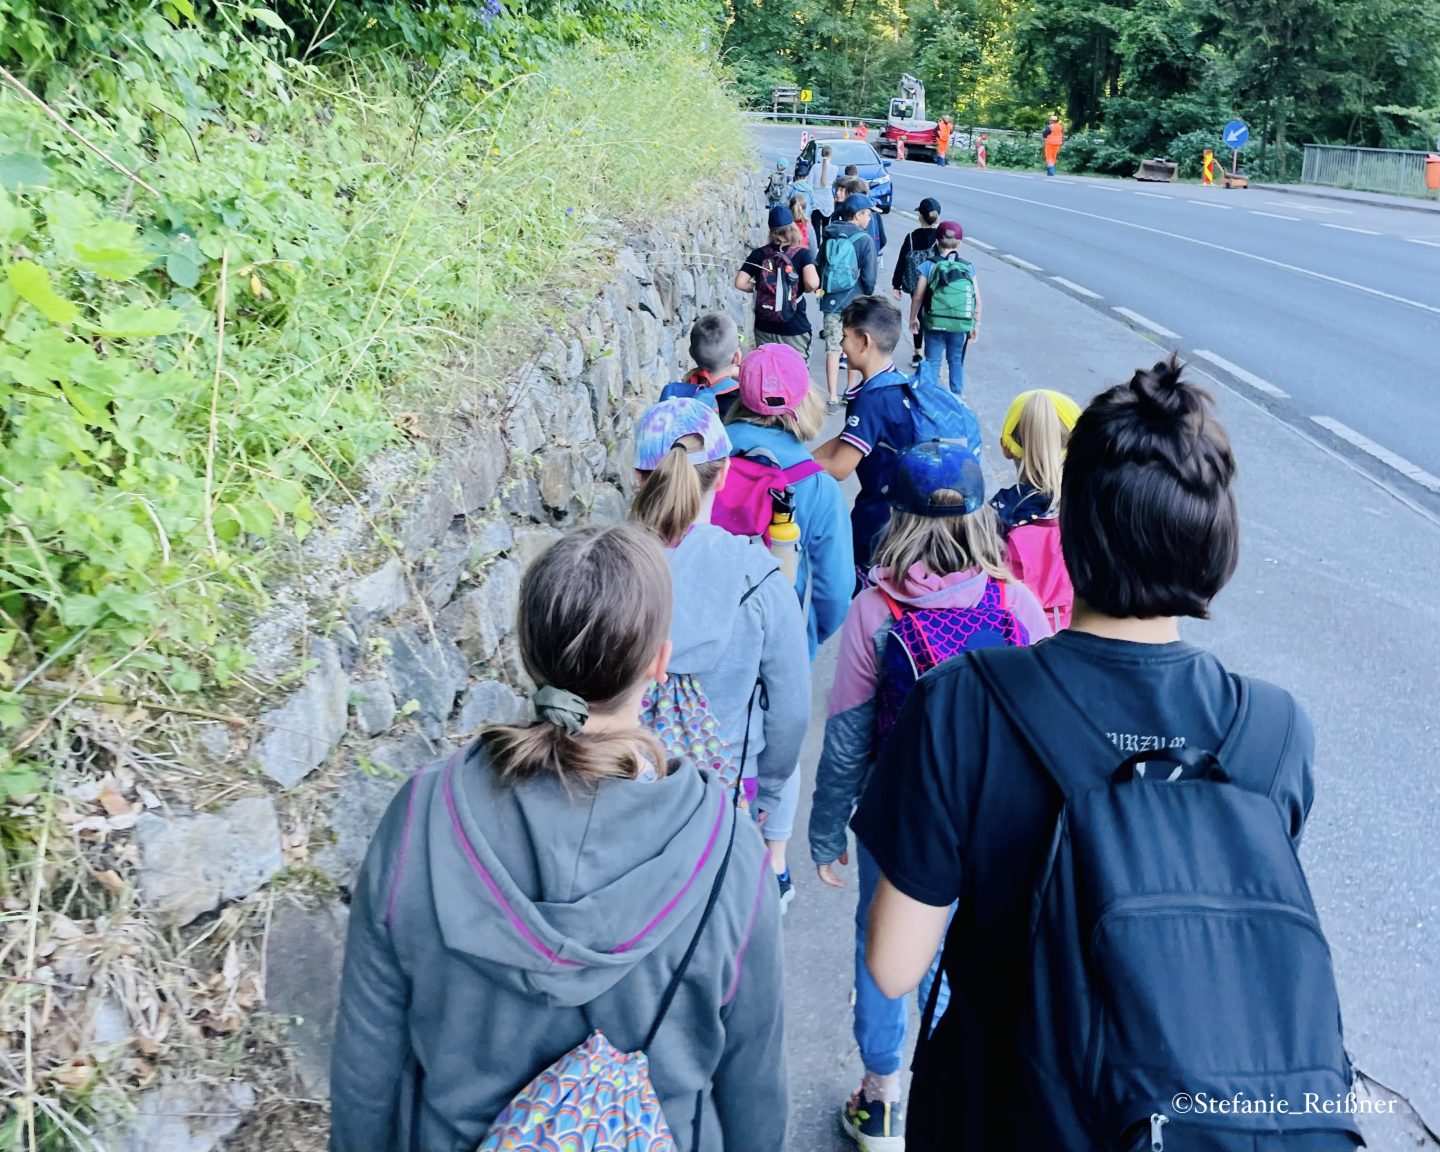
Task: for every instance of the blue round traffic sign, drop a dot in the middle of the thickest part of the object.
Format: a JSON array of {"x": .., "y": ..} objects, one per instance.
[{"x": 1236, "y": 134}]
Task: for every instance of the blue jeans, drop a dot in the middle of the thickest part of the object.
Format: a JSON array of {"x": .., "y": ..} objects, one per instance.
[
  {"x": 949, "y": 346},
  {"x": 879, "y": 1021}
]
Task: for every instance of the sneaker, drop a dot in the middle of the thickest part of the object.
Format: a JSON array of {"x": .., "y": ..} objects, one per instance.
[
  {"x": 787, "y": 889},
  {"x": 874, "y": 1125},
  {"x": 844, "y": 362}
]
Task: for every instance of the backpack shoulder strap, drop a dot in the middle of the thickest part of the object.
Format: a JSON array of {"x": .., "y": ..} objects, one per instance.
[
  {"x": 1263, "y": 721},
  {"x": 674, "y": 986},
  {"x": 754, "y": 588},
  {"x": 891, "y": 603},
  {"x": 1055, "y": 730},
  {"x": 801, "y": 471}
]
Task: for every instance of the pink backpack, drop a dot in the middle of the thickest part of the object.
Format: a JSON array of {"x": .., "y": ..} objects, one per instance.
[
  {"x": 1037, "y": 562},
  {"x": 746, "y": 505}
]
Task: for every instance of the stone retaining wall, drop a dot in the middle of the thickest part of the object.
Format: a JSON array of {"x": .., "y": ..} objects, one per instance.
[{"x": 406, "y": 655}]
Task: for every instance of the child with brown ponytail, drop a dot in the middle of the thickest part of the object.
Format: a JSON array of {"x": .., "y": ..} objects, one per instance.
[{"x": 544, "y": 884}]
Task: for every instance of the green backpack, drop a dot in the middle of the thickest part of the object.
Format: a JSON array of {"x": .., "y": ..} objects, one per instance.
[{"x": 950, "y": 301}]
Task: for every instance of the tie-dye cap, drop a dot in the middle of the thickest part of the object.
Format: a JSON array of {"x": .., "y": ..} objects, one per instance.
[{"x": 671, "y": 420}]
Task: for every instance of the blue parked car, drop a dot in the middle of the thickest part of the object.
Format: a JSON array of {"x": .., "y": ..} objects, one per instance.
[{"x": 844, "y": 153}]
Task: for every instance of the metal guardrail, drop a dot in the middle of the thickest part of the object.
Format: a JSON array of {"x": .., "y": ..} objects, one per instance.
[
  {"x": 1366, "y": 169},
  {"x": 808, "y": 118}
]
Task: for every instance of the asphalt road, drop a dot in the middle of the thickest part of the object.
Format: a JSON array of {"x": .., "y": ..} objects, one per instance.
[
  {"x": 1330, "y": 311},
  {"x": 1333, "y": 599}
]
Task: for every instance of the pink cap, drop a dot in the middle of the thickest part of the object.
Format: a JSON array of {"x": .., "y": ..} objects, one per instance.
[{"x": 774, "y": 380}]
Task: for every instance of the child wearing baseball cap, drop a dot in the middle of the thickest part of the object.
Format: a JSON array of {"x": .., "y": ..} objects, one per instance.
[
  {"x": 945, "y": 306},
  {"x": 915, "y": 250},
  {"x": 940, "y": 588},
  {"x": 776, "y": 413},
  {"x": 736, "y": 620}
]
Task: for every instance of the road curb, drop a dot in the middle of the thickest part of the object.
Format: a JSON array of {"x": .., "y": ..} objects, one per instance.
[{"x": 1317, "y": 193}]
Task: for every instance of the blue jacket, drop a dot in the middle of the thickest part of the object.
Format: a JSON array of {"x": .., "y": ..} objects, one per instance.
[{"x": 827, "y": 562}]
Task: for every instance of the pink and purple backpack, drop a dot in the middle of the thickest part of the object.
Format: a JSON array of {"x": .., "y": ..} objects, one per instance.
[{"x": 924, "y": 638}]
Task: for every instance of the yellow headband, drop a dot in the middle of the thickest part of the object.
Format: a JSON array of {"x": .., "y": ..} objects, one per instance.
[{"x": 1066, "y": 408}]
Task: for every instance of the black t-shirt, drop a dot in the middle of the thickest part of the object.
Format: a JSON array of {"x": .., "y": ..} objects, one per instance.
[
  {"x": 798, "y": 322},
  {"x": 958, "y": 810}
]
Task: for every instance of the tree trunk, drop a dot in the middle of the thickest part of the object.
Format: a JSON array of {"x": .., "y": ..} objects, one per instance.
[{"x": 1280, "y": 157}]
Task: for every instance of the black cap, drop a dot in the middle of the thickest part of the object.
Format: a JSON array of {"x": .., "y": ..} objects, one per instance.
[{"x": 929, "y": 207}]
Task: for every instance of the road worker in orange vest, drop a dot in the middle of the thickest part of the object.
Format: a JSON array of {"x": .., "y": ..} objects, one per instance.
[
  {"x": 1054, "y": 138},
  {"x": 942, "y": 141}
]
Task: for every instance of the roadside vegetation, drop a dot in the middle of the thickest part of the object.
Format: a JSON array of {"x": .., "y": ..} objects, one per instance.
[{"x": 239, "y": 244}]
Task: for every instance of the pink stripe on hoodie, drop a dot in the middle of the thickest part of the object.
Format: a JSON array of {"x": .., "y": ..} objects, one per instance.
[{"x": 856, "y": 674}]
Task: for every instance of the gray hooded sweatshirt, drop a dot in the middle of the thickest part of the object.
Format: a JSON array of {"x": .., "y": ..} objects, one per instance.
[
  {"x": 737, "y": 620},
  {"x": 493, "y": 926}
]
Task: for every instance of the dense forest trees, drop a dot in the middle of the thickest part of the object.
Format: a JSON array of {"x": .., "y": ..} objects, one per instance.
[{"x": 1146, "y": 72}]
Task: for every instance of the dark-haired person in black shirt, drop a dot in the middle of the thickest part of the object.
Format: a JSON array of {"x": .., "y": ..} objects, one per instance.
[{"x": 958, "y": 809}]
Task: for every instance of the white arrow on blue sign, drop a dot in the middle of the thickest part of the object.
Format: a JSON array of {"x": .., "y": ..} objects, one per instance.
[{"x": 1236, "y": 134}]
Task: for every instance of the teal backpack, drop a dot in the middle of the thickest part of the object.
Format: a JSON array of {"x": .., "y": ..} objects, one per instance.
[
  {"x": 839, "y": 265},
  {"x": 950, "y": 301}
]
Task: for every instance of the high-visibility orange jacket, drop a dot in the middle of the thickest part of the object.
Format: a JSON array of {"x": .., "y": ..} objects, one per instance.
[{"x": 942, "y": 137}]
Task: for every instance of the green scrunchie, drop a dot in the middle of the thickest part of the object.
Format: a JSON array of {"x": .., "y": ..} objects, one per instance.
[{"x": 561, "y": 708}]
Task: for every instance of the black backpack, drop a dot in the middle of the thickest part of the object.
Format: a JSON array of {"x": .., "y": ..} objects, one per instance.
[
  {"x": 1176, "y": 957},
  {"x": 910, "y": 275}
]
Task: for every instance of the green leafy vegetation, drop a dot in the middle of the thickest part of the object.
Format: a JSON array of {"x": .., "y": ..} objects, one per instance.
[
  {"x": 239, "y": 243},
  {"x": 322, "y": 211},
  {"x": 1152, "y": 75}
]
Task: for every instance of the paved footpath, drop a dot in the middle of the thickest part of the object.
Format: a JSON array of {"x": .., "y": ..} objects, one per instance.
[{"x": 1334, "y": 599}]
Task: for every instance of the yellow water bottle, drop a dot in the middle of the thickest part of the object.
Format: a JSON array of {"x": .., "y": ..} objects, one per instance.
[{"x": 785, "y": 539}]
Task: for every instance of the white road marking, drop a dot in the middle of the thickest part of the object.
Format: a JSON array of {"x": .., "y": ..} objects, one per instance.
[
  {"x": 1211, "y": 204},
  {"x": 1384, "y": 455},
  {"x": 1158, "y": 329},
  {"x": 1274, "y": 215},
  {"x": 1347, "y": 228},
  {"x": 1155, "y": 195},
  {"x": 1070, "y": 284},
  {"x": 1299, "y": 271},
  {"x": 1427, "y": 243},
  {"x": 1310, "y": 208},
  {"x": 1242, "y": 374},
  {"x": 1053, "y": 180},
  {"x": 1322, "y": 446},
  {"x": 1019, "y": 263},
  {"x": 980, "y": 244}
]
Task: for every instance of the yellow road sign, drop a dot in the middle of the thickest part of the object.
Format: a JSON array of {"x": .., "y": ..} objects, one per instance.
[{"x": 806, "y": 95}]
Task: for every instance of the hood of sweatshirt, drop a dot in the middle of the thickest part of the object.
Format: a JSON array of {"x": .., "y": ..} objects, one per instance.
[
  {"x": 588, "y": 879},
  {"x": 712, "y": 572},
  {"x": 920, "y": 588},
  {"x": 843, "y": 228}
]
